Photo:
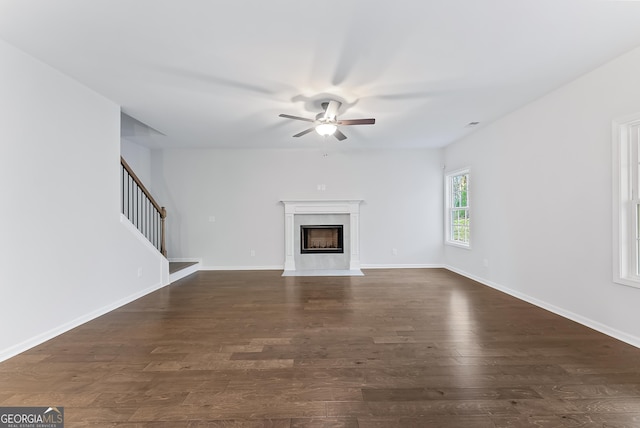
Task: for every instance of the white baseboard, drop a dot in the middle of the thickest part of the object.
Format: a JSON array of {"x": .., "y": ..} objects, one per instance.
[
  {"x": 43, "y": 337},
  {"x": 275, "y": 267},
  {"x": 602, "y": 328},
  {"x": 401, "y": 266},
  {"x": 362, "y": 266}
]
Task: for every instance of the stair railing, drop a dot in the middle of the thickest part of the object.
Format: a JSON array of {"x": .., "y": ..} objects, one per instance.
[{"x": 141, "y": 209}]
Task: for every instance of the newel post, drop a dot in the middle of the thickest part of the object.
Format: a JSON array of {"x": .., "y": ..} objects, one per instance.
[{"x": 163, "y": 216}]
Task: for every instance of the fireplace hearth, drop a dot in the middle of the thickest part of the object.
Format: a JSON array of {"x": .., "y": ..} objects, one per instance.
[{"x": 321, "y": 239}]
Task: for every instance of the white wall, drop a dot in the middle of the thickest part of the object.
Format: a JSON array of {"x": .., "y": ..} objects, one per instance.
[
  {"x": 401, "y": 189},
  {"x": 139, "y": 159},
  {"x": 65, "y": 257},
  {"x": 542, "y": 200}
]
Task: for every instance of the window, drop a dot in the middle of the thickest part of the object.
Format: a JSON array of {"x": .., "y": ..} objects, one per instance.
[
  {"x": 457, "y": 215},
  {"x": 626, "y": 201}
]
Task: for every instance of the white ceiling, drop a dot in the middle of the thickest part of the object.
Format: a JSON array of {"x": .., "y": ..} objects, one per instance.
[{"x": 216, "y": 73}]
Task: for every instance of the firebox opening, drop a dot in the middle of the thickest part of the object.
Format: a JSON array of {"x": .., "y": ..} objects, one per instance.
[{"x": 321, "y": 239}]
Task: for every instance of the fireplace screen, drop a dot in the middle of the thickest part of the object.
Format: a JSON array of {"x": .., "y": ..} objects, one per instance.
[{"x": 321, "y": 239}]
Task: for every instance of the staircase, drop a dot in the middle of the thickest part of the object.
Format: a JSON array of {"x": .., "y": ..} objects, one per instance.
[{"x": 142, "y": 210}]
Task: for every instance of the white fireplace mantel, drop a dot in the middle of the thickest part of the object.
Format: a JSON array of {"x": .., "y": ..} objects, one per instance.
[{"x": 347, "y": 206}]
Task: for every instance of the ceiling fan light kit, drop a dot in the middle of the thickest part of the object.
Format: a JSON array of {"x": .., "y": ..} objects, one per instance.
[
  {"x": 326, "y": 123},
  {"x": 325, "y": 129}
]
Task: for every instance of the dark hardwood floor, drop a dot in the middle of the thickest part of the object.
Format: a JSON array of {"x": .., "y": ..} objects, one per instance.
[{"x": 395, "y": 348}]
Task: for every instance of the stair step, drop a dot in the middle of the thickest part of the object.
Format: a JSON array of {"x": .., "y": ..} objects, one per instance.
[{"x": 178, "y": 266}]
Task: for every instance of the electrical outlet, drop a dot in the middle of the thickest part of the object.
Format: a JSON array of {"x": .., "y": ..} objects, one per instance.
[
  {"x": 394, "y": 251},
  {"x": 212, "y": 219},
  {"x": 253, "y": 253},
  {"x": 322, "y": 187},
  {"x": 485, "y": 262},
  {"x": 139, "y": 272}
]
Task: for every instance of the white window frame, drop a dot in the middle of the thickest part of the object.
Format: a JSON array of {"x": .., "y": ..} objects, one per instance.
[
  {"x": 449, "y": 208},
  {"x": 626, "y": 200}
]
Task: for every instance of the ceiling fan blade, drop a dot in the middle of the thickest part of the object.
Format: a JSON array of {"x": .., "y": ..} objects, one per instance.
[
  {"x": 339, "y": 135},
  {"x": 288, "y": 116},
  {"x": 332, "y": 110},
  {"x": 357, "y": 122},
  {"x": 305, "y": 132}
]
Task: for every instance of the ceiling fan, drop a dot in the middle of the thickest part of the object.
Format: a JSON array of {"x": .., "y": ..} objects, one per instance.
[{"x": 326, "y": 123}]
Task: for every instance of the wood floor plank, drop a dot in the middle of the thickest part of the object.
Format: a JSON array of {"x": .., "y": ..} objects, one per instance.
[
  {"x": 423, "y": 394},
  {"x": 395, "y": 348},
  {"x": 432, "y": 421},
  {"x": 325, "y": 423},
  {"x": 238, "y": 423},
  {"x": 574, "y": 392}
]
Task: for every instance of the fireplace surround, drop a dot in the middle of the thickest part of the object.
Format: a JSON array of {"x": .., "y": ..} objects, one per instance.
[{"x": 322, "y": 213}]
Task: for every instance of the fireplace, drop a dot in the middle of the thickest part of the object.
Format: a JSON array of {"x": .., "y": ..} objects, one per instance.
[
  {"x": 323, "y": 213},
  {"x": 321, "y": 239}
]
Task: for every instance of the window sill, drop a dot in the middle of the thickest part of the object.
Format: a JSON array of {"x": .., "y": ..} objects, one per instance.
[
  {"x": 629, "y": 282},
  {"x": 458, "y": 244}
]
